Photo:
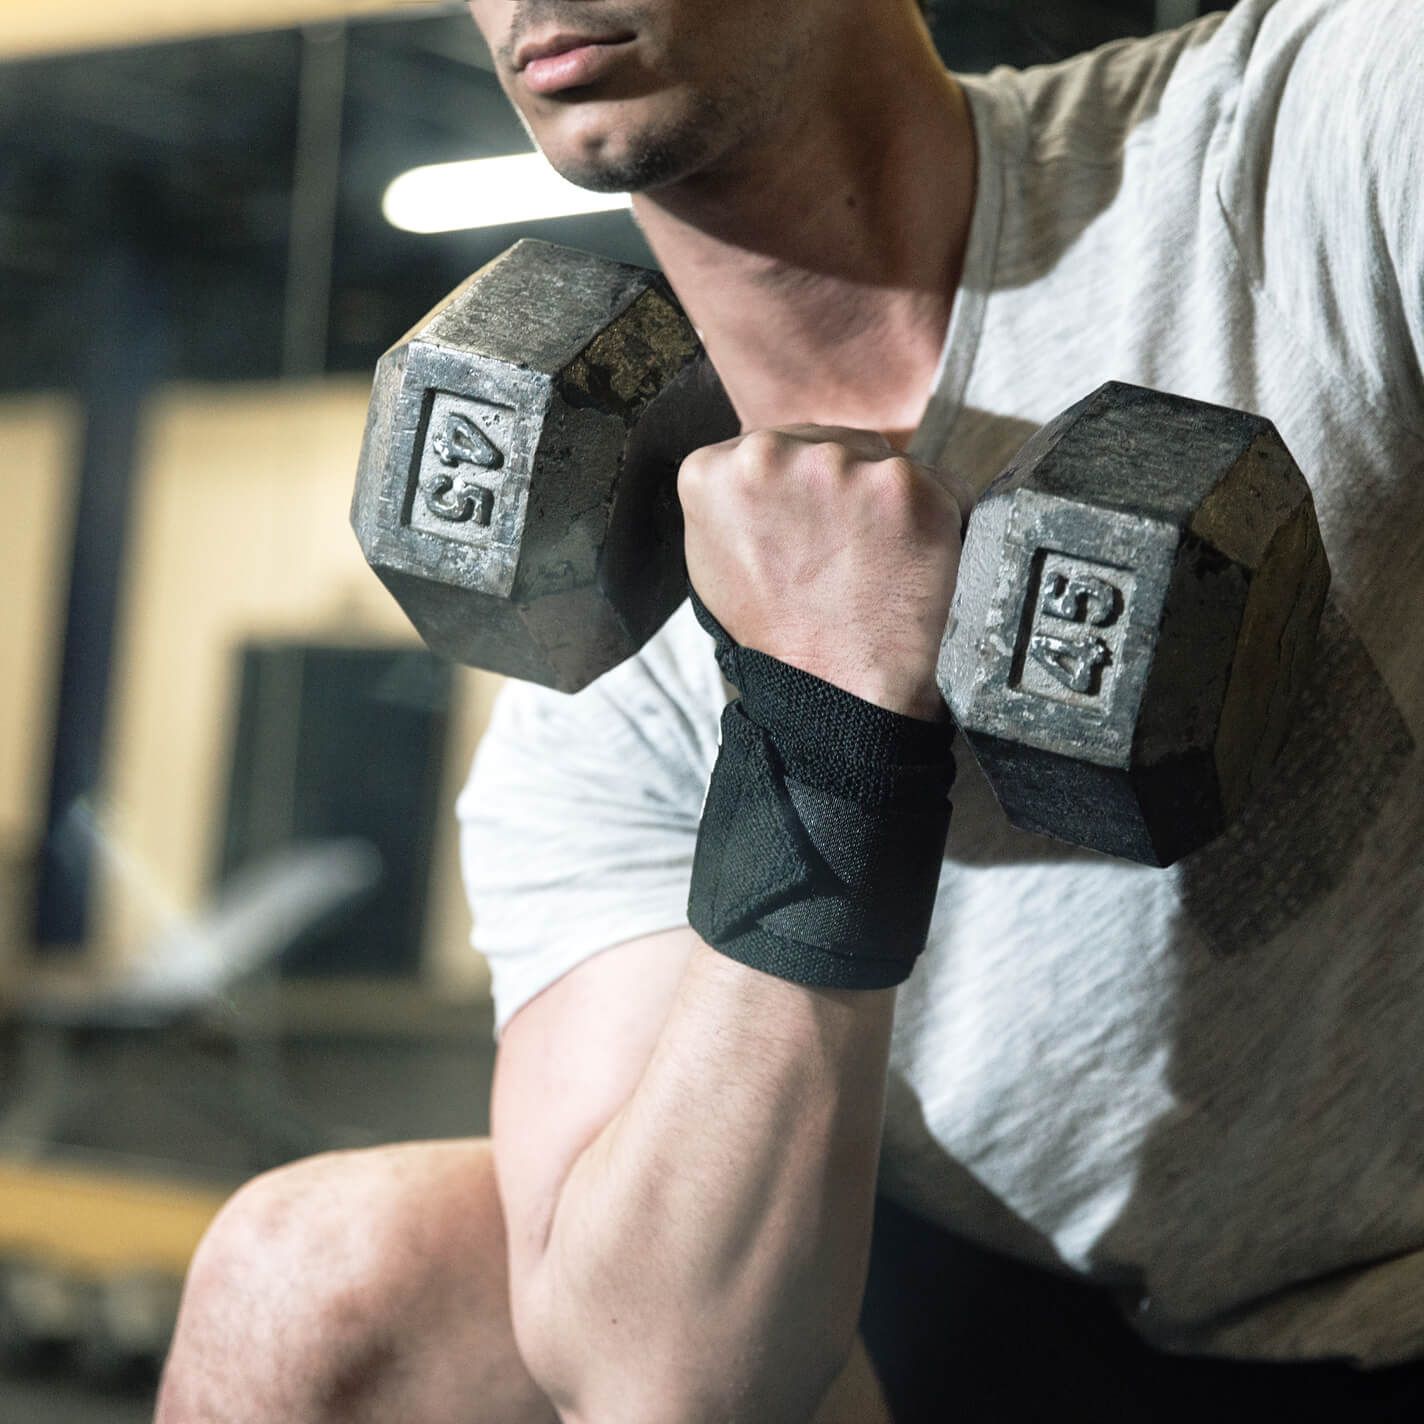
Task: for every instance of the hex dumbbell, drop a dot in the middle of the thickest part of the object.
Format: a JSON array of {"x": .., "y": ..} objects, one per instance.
[
  {"x": 1134, "y": 618},
  {"x": 1136, "y": 606},
  {"x": 517, "y": 487}
]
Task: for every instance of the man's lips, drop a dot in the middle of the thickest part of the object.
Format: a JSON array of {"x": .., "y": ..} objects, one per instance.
[{"x": 566, "y": 61}]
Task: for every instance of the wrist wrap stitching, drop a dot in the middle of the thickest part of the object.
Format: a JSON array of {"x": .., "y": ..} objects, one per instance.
[{"x": 823, "y": 831}]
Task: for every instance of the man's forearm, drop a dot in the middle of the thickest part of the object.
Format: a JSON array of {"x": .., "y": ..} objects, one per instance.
[{"x": 707, "y": 1252}]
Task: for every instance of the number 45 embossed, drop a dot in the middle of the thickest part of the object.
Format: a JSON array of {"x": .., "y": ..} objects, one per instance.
[{"x": 1074, "y": 635}]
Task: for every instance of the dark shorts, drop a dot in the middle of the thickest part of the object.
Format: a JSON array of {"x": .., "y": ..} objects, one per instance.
[{"x": 960, "y": 1334}]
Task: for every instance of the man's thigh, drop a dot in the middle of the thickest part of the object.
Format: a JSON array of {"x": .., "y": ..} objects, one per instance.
[
  {"x": 959, "y": 1332},
  {"x": 354, "y": 1286},
  {"x": 373, "y": 1285}
]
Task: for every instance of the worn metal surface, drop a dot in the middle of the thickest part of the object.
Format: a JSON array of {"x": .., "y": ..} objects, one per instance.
[
  {"x": 1135, "y": 614},
  {"x": 517, "y": 484}
]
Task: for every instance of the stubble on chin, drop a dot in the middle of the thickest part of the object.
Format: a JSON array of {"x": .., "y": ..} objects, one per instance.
[{"x": 652, "y": 157}]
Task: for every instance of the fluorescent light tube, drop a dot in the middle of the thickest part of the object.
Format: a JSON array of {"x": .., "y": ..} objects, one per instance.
[{"x": 488, "y": 192}]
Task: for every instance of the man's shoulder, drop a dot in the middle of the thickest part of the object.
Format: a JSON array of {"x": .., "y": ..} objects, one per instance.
[
  {"x": 1086, "y": 107},
  {"x": 1252, "y": 177},
  {"x": 1214, "y": 72}
]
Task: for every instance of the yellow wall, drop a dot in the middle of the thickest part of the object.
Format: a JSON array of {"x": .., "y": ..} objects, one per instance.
[
  {"x": 38, "y": 451},
  {"x": 239, "y": 532},
  {"x": 100, "y": 1222}
]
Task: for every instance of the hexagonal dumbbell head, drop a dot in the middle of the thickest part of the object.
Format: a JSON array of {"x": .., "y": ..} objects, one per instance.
[
  {"x": 1135, "y": 614},
  {"x": 517, "y": 486}
]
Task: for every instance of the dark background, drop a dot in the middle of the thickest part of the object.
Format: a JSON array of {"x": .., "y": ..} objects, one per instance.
[{"x": 183, "y": 156}]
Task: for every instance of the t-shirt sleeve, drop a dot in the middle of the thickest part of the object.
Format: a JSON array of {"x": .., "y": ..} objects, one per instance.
[
  {"x": 579, "y": 820},
  {"x": 1322, "y": 185}
]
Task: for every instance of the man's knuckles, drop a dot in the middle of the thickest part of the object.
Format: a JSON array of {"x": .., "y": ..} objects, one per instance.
[{"x": 805, "y": 468}]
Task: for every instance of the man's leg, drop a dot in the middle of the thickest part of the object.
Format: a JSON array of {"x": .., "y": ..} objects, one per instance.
[
  {"x": 354, "y": 1286},
  {"x": 372, "y": 1286}
]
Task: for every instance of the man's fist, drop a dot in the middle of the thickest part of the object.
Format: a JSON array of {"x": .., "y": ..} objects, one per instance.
[{"x": 831, "y": 550}]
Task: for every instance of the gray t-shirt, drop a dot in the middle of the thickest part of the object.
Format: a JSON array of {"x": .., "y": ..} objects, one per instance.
[{"x": 1202, "y": 1086}]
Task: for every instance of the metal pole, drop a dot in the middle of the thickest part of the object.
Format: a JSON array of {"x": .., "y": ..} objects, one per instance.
[
  {"x": 126, "y": 324},
  {"x": 315, "y": 189}
]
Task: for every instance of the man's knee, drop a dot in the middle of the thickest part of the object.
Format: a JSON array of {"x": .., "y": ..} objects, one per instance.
[
  {"x": 348, "y": 1281},
  {"x": 302, "y": 1248}
]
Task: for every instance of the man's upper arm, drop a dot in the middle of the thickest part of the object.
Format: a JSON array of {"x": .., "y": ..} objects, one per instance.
[
  {"x": 578, "y": 830},
  {"x": 579, "y": 821},
  {"x": 568, "y": 1061}
]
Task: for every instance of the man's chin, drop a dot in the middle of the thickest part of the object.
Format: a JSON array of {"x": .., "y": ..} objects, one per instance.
[
  {"x": 599, "y": 178},
  {"x": 636, "y": 163},
  {"x": 625, "y": 174}
]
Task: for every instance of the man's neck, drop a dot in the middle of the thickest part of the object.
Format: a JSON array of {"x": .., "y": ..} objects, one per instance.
[{"x": 821, "y": 270}]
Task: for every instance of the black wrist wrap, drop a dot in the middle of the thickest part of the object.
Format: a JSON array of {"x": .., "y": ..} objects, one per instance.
[{"x": 819, "y": 851}]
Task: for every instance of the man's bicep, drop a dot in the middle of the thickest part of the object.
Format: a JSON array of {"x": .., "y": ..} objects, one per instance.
[{"x": 568, "y": 1061}]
